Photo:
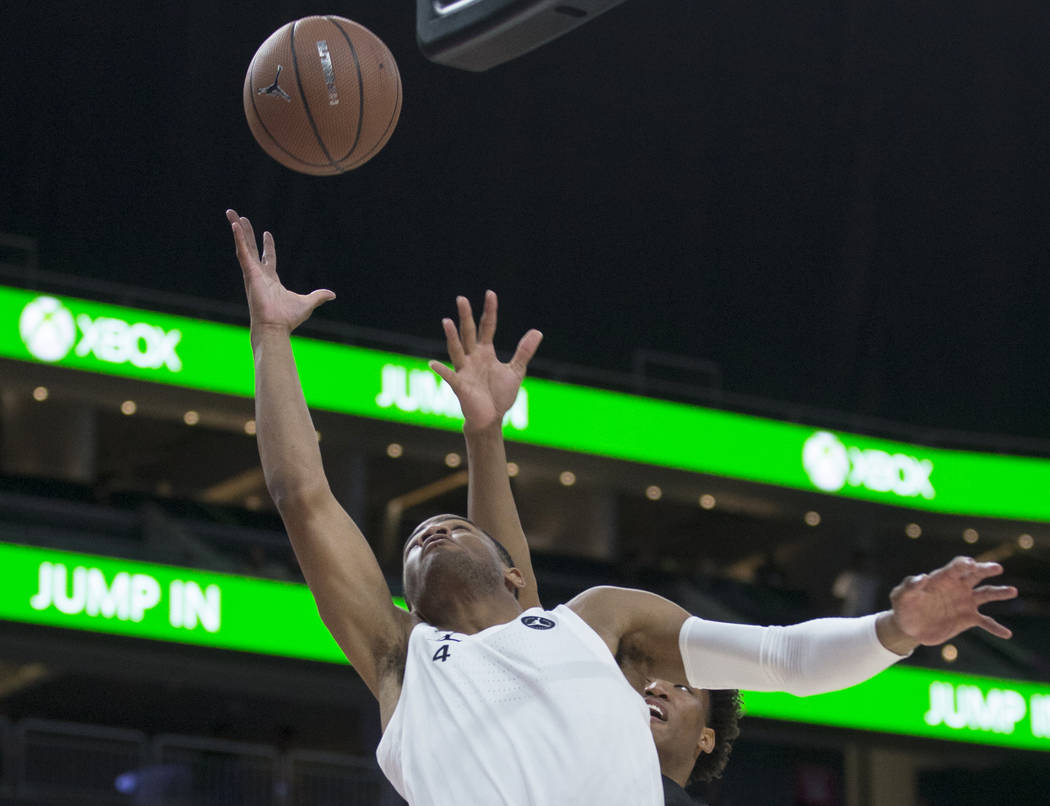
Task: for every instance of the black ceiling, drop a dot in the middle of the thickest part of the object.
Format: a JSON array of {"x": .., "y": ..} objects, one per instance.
[{"x": 841, "y": 204}]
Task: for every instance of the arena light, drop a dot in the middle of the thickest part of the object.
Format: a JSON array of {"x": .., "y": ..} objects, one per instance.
[
  {"x": 199, "y": 355},
  {"x": 479, "y": 34},
  {"x": 71, "y": 590}
]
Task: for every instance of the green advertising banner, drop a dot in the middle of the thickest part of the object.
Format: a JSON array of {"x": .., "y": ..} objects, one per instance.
[
  {"x": 926, "y": 703},
  {"x": 161, "y": 602},
  {"x": 224, "y": 611},
  {"x": 195, "y": 354}
]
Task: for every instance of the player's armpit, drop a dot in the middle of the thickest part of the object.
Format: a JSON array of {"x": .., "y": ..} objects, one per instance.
[
  {"x": 352, "y": 596},
  {"x": 640, "y": 628}
]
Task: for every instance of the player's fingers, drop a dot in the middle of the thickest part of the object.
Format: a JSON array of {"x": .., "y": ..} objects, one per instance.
[
  {"x": 446, "y": 374},
  {"x": 487, "y": 325},
  {"x": 452, "y": 342},
  {"x": 241, "y": 247},
  {"x": 914, "y": 581},
  {"x": 994, "y": 593},
  {"x": 467, "y": 333},
  {"x": 317, "y": 298},
  {"x": 994, "y": 627},
  {"x": 269, "y": 255},
  {"x": 959, "y": 568},
  {"x": 527, "y": 347},
  {"x": 985, "y": 570},
  {"x": 249, "y": 237}
]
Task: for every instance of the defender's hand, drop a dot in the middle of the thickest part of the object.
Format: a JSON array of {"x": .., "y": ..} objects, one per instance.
[
  {"x": 485, "y": 386},
  {"x": 931, "y": 608},
  {"x": 270, "y": 303}
]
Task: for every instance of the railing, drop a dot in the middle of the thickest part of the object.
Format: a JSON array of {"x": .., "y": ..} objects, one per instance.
[
  {"x": 77, "y": 764},
  {"x": 326, "y": 778},
  {"x": 68, "y": 762},
  {"x": 6, "y": 772}
]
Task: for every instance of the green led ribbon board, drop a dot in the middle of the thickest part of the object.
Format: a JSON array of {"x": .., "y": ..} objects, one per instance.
[
  {"x": 164, "y": 603},
  {"x": 195, "y": 354},
  {"x": 926, "y": 703},
  {"x": 98, "y": 594}
]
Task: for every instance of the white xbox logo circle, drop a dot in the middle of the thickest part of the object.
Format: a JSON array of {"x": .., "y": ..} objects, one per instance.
[
  {"x": 826, "y": 461},
  {"x": 47, "y": 329}
]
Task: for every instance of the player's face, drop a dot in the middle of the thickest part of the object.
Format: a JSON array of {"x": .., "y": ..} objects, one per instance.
[
  {"x": 446, "y": 535},
  {"x": 678, "y": 720}
]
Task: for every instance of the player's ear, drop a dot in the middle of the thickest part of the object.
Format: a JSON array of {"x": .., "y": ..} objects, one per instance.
[
  {"x": 514, "y": 580},
  {"x": 706, "y": 742}
]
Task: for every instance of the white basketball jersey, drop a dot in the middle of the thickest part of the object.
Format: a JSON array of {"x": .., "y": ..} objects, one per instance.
[{"x": 534, "y": 712}]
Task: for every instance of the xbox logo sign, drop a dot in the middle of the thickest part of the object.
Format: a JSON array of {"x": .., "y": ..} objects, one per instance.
[
  {"x": 47, "y": 329},
  {"x": 50, "y": 331},
  {"x": 831, "y": 465},
  {"x": 826, "y": 462}
]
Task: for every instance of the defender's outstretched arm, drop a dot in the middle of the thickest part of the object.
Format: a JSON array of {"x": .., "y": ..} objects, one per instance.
[
  {"x": 655, "y": 638},
  {"x": 486, "y": 389}
]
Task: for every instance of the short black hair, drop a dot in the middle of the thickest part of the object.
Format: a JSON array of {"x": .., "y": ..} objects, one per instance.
[
  {"x": 501, "y": 550},
  {"x": 723, "y": 718}
]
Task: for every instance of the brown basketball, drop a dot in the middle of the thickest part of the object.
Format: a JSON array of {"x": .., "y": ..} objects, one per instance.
[{"x": 322, "y": 95}]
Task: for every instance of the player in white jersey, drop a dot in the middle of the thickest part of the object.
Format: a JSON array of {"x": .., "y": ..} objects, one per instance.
[
  {"x": 693, "y": 729},
  {"x": 474, "y": 733}
]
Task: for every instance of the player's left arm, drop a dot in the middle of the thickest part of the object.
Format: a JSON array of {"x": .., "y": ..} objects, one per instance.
[
  {"x": 486, "y": 389},
  {"x": 808, "y": 658}
]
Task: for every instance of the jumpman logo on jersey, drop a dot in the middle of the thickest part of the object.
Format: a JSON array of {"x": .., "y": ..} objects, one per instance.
[
  {"x": 448, "y": 637},
  {"x": 538, "y": 622},
  {"x": 274, "y": 89}
]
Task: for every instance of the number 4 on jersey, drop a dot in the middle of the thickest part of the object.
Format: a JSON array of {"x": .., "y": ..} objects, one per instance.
[{"x": 441, "y": 654}]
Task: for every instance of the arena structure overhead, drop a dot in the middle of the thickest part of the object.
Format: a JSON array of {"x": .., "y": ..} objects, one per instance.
[{"x": 141, "y": 551}]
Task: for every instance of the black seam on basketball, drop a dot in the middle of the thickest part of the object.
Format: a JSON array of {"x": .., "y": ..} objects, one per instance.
[
  {"x": 387, "y": 131},
  {"x": 306, "y": 106},
  {"x": 360, "y": 90},
  {"x": 262, "y": 123}
]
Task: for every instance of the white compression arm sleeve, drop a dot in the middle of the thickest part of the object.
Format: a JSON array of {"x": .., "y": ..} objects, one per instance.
[{"x": 809, "y": 658}]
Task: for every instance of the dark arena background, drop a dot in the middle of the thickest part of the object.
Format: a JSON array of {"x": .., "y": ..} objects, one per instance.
[{"x": 790, "y": 262}]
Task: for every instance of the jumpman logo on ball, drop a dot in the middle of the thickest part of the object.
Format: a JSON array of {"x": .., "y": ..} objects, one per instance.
[{"x": 274, "y": 89}]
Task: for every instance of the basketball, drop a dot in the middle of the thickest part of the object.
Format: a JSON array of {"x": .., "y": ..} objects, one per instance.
[{"x": 322, "y": 95}]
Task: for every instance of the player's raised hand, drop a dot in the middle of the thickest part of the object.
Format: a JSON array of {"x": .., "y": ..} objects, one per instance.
[
  {"x": 931, "y": 608},
  {"x": 485, "y": 386},
  {"x": 270, "y": 303}
]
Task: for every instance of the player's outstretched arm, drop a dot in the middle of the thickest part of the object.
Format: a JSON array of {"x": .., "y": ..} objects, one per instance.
[
  {"x": 351, "y": 593},
  {"x": 809, "y": 658},
  {"x": 486, "y": 389}
]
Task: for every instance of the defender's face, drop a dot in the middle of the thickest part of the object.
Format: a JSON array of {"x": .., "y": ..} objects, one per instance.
[
  {"x": 443, "y": 535},
  {"x": 678, "y": 719}
]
